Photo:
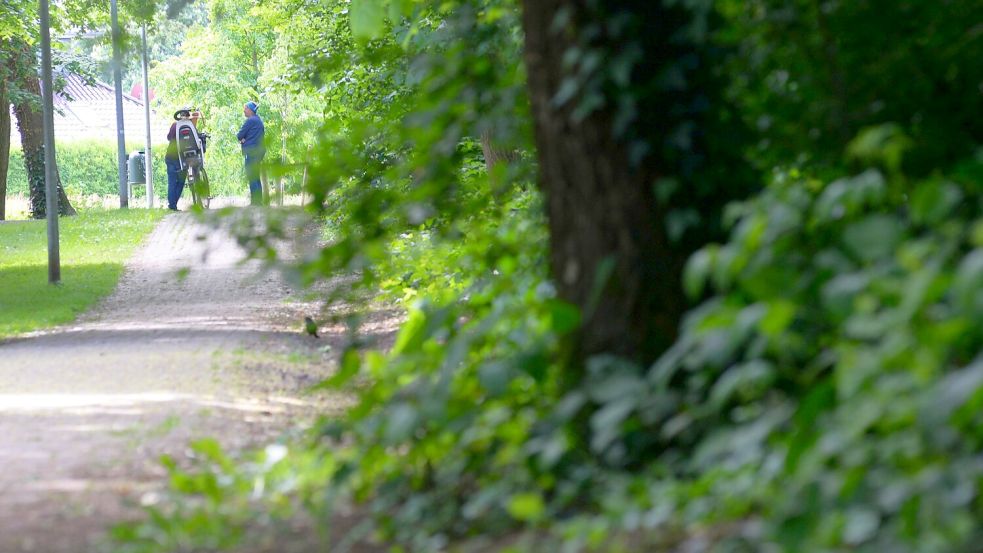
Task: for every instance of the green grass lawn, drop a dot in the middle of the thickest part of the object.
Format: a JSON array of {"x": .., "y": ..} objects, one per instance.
[{"x": 94, "y": 247}]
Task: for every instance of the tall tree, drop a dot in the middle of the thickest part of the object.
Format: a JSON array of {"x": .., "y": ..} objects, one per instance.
[
  {"x": 18, "y": 35},
  {"x": 628, "y": 114},
  {"x": 30, "y": 122}
]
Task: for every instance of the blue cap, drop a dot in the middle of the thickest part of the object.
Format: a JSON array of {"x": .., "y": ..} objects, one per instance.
[{"x": 252, "y": 107}]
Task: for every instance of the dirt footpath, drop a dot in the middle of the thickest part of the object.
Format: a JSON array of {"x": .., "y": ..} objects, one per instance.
[{"x": 87, "y": 409}]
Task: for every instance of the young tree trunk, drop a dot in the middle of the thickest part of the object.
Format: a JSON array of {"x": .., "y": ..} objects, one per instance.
[
  {"x": 610, "y": 254},
  {"x": 495, "y": 154},
  {"x": 4, "y": 147},
  {"x": 30, "y": 123}
]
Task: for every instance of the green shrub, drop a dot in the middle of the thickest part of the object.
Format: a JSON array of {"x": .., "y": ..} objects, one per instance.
[
  {"x": 825, "y": 397},
  {"x": 90, "y": 167},
  {"x": 86, "y": 167},
  {"x": 828, "y": 394}
]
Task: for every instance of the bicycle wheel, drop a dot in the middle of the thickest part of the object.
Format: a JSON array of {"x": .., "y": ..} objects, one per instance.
[
  {"x": 193, "y": 187},
  {"x": 204, "y": 190}
]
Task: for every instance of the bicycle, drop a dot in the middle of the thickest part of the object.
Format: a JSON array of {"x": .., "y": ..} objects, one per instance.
[{"x": 191, "y": 154}]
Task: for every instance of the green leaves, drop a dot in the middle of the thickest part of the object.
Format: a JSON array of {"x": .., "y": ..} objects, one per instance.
[
  {"x": 697, "y": 271},
  {"x": 401, "y": 420},
  {"x": 412, "y": 334},
  {"x": 745, "y": 382},
  {"x": 861, "y": 526},
  {"x": 852, "y": 307},
  {"x": 951, "y": 393},
  {"x": 368, "y": 18},
  {"x": 873, "y": 238},
  {"x": 882, "y": 145},
  {"x": 968, "y": 284},
  {"x": 933, "y": 201},
  {"x": 564, "y": 318},
  {"x": 348, "y": 368},
  {"x": 778, "y": 317},
  {"x": 527, "y": 507},
  {"x": 848, "y": 196}
]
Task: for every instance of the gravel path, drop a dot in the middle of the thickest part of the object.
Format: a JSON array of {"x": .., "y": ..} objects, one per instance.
[{"x": 87, "y": 409}]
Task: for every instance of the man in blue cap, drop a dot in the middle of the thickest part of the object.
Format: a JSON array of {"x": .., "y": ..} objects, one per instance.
[{"x": 251, "y": 138}]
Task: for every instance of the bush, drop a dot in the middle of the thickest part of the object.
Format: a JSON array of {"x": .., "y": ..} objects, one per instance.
[
  {"x": 830, "y": 390},
  {"x": 825, "y": 397}
]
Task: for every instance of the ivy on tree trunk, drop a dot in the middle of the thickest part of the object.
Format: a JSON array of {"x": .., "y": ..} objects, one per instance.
[
  {"x": 623, "y": 165},
  {"x": 608, "y": 255}
]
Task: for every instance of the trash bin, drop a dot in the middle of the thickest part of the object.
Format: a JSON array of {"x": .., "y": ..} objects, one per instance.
[{"x": 136, "y": 169}]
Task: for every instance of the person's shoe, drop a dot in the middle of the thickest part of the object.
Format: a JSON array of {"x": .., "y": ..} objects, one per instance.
[{"x": 173, "y": 209}]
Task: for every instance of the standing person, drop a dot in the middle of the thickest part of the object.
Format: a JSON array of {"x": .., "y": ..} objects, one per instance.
[
  {"x": 175, "y": 176},
  {"x": 251, "y": 138}
]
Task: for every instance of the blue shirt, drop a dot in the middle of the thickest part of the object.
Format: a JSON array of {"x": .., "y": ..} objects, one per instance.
[{"x": 251, "y": 133}]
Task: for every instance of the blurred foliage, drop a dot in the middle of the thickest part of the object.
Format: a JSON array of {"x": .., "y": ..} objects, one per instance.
[
  {"x": 166, "y": 31},
  {"x": 21, "y": 21},
  {"x": 824, "y": 372},
  {"x": 813, "y": 73},
  {"x": 823, "y": 391}
]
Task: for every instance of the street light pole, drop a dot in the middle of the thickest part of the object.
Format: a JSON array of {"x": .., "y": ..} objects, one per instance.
[
  {"x": 283, "y": 147},
  {"x": 148, "y": 158},
  {"x": 118, "y": 83},
  {"x": 50, "y": 186}
]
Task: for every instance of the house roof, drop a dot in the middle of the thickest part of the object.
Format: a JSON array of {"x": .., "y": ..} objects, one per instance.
[
  {"x": 78, "y": 90},
  {"x": 87, "y": 110}
]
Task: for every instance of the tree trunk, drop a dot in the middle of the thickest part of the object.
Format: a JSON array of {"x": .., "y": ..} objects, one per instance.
[
  {"x": 4, "y": 147},
  {"x": 610, "y": 255},
  {"x": 30, "y": 123},
  {"x": 494, "y": 154}
]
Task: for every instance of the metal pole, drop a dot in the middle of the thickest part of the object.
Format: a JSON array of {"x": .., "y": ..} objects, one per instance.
[
  {"x": 283, "y": 148},
  {"x": 148, "y": 158},
  {"x": 50, "y": 186},
  {"x": 118, "y": 83}
]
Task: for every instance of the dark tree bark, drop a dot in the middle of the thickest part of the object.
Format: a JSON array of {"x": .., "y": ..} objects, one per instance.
[
  {"x": 4, "y": 147},
  {"x": 30, "y": 123},
  {"x": 605, "y": 240},
  {"x": 612, "y": 254}
]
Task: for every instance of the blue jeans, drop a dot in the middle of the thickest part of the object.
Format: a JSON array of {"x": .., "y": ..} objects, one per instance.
[
  {"x": 252, "y": 175},
  {"x": 175, "y": 182}
]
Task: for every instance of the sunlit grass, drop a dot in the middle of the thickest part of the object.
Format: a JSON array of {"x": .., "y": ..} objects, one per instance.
[{"x": 94, "y": 247}]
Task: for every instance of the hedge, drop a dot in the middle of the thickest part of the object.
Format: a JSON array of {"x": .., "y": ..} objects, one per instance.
[{"x": 90, "y": 167}]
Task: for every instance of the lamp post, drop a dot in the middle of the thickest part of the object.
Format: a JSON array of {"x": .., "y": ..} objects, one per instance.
[
  {"x": 118, "y": 83},
  {"x": 148, "y": 158},
  {"x": 50, "y": 187}
]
